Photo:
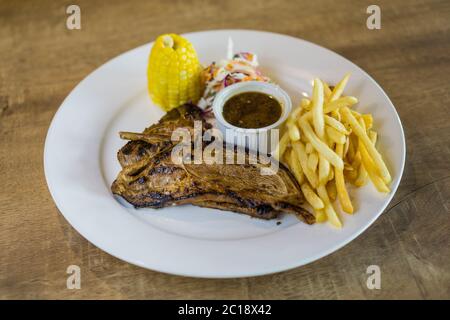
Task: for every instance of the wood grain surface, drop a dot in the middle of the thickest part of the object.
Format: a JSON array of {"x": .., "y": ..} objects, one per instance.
[{"x": 41, "y": 61}]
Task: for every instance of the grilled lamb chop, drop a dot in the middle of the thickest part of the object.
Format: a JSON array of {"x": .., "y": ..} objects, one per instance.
[
  {"x": 149, "y": 178},
  {"x": 156, "y": 138}
]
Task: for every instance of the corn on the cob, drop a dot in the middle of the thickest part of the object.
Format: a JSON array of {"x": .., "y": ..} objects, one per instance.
[{"x": 174, "y": 72}]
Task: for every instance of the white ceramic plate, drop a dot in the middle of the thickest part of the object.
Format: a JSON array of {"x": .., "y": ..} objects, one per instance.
[{"x": 80, "y": 165}]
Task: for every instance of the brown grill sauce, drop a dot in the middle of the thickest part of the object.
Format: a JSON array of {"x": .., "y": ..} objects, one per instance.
[{"x": 252, "y": 110}]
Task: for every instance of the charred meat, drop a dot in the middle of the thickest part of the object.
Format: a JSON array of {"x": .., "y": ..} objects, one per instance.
[{"x": 149, "y": 178}]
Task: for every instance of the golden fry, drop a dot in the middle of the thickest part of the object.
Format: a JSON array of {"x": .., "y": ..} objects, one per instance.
[
  {"x": 317, "y": 108},
  {"x": 371, "y": 169},
  {"x": 337, "y": 125},
  {"x": 351, "y": 175},
  {"x": 299, "y": 148},
  {"x": 312, "y": 198},
  {"x": 337, "y": 91},
  {"x": 351, "y": 152},
  {"x": 329, "y": 210},
  {"x": 309, "y": 148},
  {"x": 313, "y": 160},
  {"x": 339, "y": 103},
  {"x": 368, "y": 120},
  {"x": 344, "y": 199},
  {"x": 324, "y": 170},
  {"x": 295, "y": 114},
  {"x": 356, "y": 114},
  {"x": 348, "y": 167},
  {"x": 359, "y": 176},
  {"x": 331, "y": 189},
  {"x": 281, "y": 147},
  {"x": 373, "y": 136},
  {"x": 373, "y": 152},
  {"x": 326, "y": 90},
  {"x": 357, "y": 159},
  {"x": 361, "y": 179},
  {"x": 319, "y": 145},
  {"x": 305, "y": 104},
  {"x": 295, "y": 167},
  {"x": 294, "y": 133},
  {"x": 334, "y": 135},
  {"x": 346, "y": 146},
  {"x": 321, "y": 216},
  {"x": 331, "y": 174},
  {"x": 336, "y": 115}
]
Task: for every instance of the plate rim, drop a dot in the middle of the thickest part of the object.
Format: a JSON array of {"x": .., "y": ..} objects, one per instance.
[{"x": 280, "y": 267}]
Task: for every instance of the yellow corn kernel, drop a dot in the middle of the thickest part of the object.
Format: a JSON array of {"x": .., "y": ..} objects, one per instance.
[{"x": 174, "y": 72}]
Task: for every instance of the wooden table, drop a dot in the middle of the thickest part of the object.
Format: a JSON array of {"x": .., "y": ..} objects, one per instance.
[{"x": 41, "y": 61}]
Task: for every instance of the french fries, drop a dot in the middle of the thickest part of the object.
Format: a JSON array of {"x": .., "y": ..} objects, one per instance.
[
  {"x": 368, "y": 120},
  {"x": 330, "y": 145},
  {"x": 335, "y": 124},
  {"x": 326, "y": 90},
  {"x": 309, "y": 148},
  {"x": 281, "y": 147},
  {"x": 312, "y": 197},
  {"x": 313, "y": 161},
  {"x": 371, "y": 168},
  {"x": 324, "y": 170},
  {"x": 337, "y": 91},
  {"x": 364, "y": 138},
  {"x": 321, "y": 216},
  {"x": 305, "y": 104},
  {"x": 295, "y": 167},
  {"x": 299, "y": 149},
  {"x": 319, "y": 145},
  {"x": 329, "y": 210},
  {"x": 344, "y": 199},
  {"x": 331, "y": 189},
  {"x": 338, "y": 103},
  {"x": 335, "y": 136},
  {"x": 294, "y": 132},
  {"x": 317, "y": 108}
]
